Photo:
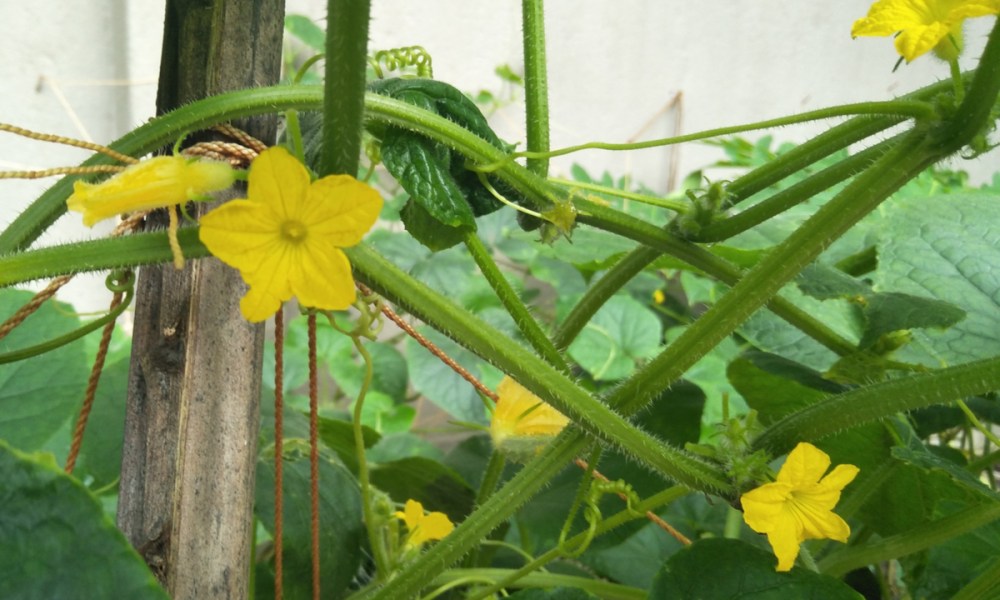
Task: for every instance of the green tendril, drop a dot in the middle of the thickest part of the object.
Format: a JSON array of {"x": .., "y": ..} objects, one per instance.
[
  {"x": 397, "y": 59},
  {"x": 119, "y": 281}
]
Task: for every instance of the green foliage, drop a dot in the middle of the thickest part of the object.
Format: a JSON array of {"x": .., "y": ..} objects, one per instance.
[
  {"x": 729, "y": 569},
  {"x": 55, "y": 540},
  {"x": 38, "y": 395},
  {"x": 703, "y": 346}
]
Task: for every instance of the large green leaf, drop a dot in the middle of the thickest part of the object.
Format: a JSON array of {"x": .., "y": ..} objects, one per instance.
[
  {"x": 440, "y": 384},
  {"x": 722, "y": 569},
  {"x": 621, "y": 334},
  {"x": 39, "y": 394},
  {"x": 56, "y": 542},
  {"x": 341, "y": 529},
  {"x": 775, "y": 386},
  {"x": 434, "y": 485},
  {"x": 947, "y": 248},
  {"x": 423, "y": 171}
]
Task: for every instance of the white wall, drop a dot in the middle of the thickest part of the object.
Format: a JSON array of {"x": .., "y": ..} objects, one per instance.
[{"x": 612, "y": 66}]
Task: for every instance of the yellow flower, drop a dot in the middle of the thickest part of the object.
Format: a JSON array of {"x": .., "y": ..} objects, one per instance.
[
  {"x": 522, "y": 423},
  {"x": 286, "y": 237},
  {"x": 423, "y": 527},
  {"x": 922, "y": 23},
  {"x": 799, "y": 505},
  {"x": 155, "y": 183}
]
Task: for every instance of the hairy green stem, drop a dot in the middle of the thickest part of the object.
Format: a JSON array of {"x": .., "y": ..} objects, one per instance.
[
  {"x": 880, "y": 400},
  {"x": 924, "y": 536},
  {"x": 792, "y": 196},
  {"x": 776, "y": 269},
  {"x": 899, "y": 108},
  {"x": 344, "y": 85},
  {"x": 536, "y": 87},
  {"x": 974, "y": 112},
  {"x": 652, "y": 503},
  {"x": 696, "y": 256},
  {"x": 97, "y": 255},
  {"x": 500, "y": 506},
  {"x": 805, "y": 154},
  {"x": 984, "y": 585},
  {"x": 544, "y": 380},
  {"x": 600, "y": 291},
  {"x": 526, "y": 323}
]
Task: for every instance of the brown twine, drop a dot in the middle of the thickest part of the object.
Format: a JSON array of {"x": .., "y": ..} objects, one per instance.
[
  {"x": 43, "y": 173},
  {"x": 66, "y": 141},
  {"x": 314, "y": 453},
  {"x": 279, "y": 404},
  {"x": 237, "y": 155},
  {"x": 242, "y": 137},
  {"x": 91, "y": 392},
  {"x": 128, "y": 224},
  {"x": 433, "y": 349},
  {"x": 32, "y": 305},
  {"x": 680, "y": 537}
]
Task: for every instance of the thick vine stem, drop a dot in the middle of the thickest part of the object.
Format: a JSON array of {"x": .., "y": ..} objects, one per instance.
[
  {"x": 784, "y": 262},
  {"x": 925, "y": 536},
  {"x": 550, "y": 384},
  {"x": 536, "y": 84},
  {"x": 880, "y": 400},
  {"x": 344, "y": 84}
]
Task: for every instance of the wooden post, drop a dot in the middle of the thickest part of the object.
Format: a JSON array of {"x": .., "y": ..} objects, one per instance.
[{"x": 187, "y": 485}]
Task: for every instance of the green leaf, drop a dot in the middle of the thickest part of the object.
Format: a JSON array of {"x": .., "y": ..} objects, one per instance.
[
  {"x": 423, "y": 171},
  {"x": 824, "y": 282},
  {"x": 775, "y": 386},
  {"x": 404, "y": 445},
  {"x": 306, "y": 30},
  {"x": 772, "y": 334},
  {"x": 621, "y": 334},
  {"x": 389, "y": 371},
  {"x": 427, "y": 230},
  {"x": 439, "y": 383},
  {"x": 39, "y": 394},
  {"x": 946, "y": 248},
  {"x": 341, "y": 530},
  {"x": 339, "y": 436},
  {"x": 429, "y": 482},
  {"x": 722, "y": 569},
  {"x": 889, "y": 312},
  {"x": 381, "y": 413},
  {"x": 56, "y": 542}
]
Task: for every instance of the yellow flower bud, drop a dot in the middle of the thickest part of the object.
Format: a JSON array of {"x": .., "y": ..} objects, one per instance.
[
  {"x": 522, "y": 424},
  {"x": 155, "y": 183}
]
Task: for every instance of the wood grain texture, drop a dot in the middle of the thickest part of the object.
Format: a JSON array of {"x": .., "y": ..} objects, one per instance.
[{"x": 192, "y": 420}]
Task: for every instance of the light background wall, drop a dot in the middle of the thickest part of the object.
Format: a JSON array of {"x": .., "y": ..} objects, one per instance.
[{"x": 88, "y": 70}]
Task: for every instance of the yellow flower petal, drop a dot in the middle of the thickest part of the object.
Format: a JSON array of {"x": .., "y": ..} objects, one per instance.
[
  {"x": 922, "y": 24},
  {"x": 286, "y": 237},
  {"x": 423, "y": 527},
  {"x": 153, "y": 183},
  {"x": 522, "y": 423},
  {"x": 798, "y": 506}
]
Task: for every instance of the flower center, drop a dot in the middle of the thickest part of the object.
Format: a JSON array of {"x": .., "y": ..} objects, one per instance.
[{"x": 293, "y": 231}]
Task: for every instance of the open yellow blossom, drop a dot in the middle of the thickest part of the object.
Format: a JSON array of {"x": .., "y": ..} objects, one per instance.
[
  {"x": 922, "y": 24},
  {"x": 286, "y": 236},
  {"x": 522, "y": 423},
  {"x": 155, "y": 183},
  {"x": 799, "y": 505},
  {"x": 423, "y": 527}
]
